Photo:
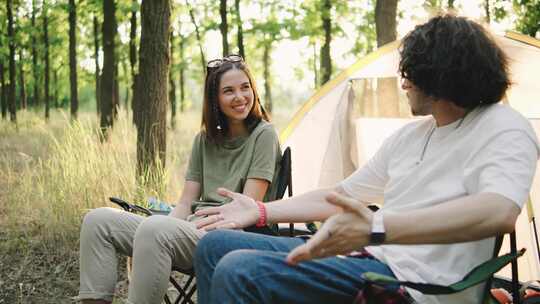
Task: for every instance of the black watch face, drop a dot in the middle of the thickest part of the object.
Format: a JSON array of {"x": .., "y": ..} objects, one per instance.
[{"x": 377, "y": 238}]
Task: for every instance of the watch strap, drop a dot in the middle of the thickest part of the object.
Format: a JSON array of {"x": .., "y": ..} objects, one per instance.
[{"x": 378, "y": 234}]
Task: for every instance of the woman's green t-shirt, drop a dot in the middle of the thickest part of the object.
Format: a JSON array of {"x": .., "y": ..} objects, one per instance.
[{"x": 230, "y": 164}]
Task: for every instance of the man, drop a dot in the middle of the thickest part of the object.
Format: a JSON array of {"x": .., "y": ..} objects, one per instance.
[{"x": 450, "y": 183}]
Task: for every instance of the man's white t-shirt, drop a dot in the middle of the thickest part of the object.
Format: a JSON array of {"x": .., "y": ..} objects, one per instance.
[{"x": 494, "y": 149}]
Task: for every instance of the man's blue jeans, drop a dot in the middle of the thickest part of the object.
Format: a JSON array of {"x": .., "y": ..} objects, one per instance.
[{"x": 241, "y": 267}]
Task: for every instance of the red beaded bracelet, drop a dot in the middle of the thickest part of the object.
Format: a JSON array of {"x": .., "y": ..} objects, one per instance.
[{"x": 262, "y": 215}]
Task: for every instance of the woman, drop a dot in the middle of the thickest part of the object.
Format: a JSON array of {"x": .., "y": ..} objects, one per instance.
[{"x": 237, "y": 148}]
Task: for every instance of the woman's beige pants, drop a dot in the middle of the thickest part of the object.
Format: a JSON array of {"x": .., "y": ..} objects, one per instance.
[{"x": 156, "y": 243}]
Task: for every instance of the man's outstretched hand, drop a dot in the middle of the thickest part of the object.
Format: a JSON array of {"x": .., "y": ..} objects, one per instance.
[
  {"x": 341, "y": 234},
  {"x": 241, "y": 212}
]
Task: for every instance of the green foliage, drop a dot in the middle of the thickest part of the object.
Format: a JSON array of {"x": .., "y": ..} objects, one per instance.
[
  {"x": 498, "y": 10},
  {"x": 528, "y": 13},
  {"x": 433, "y": 5},
  {"x": 276, "y": 20},
  {"x": 365, "y": 35}
]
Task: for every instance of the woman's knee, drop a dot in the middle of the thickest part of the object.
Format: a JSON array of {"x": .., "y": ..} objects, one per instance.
[
  {"x": 97, "y": 218},
  {"x": 160, "y": 228},
  {"x": 99, "y": 215},
  {"x": 150, "y": 228}
]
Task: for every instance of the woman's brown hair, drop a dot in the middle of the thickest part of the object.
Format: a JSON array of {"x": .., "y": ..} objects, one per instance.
[{"x": 212, "y": 116}]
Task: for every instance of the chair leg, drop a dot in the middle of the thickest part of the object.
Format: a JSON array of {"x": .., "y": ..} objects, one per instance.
[
  {"x": 192, "y": 290},
  {"x": 129, "y": 267},
  {"x": 291, "y": 229},
  {"x": 515, "y": 278},
  {"x": 185, "y": 292},
  {"x": 166, "y": 299}
]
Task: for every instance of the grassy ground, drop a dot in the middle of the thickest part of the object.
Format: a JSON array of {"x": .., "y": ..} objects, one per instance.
[{"x": 51, "y": 174}]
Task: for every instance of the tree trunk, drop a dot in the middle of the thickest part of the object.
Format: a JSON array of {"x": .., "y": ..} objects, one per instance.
[
  {"x": 22, "y": 90},
  {"x": 3, "y": 96},
  {"x": 133, "y": 55},
  {"x": 266, "y": 73},
  {"x": 107, "y": 78},
  {"x": 385, "y": 21},
  {"x": 153, "y": 71},
  {"x": 326, "y": 60},
  {"x": 11, "y": 97},
  {"x": 46, "y": 59},
  {"x": 35, "y": 71},
  {"x": 96, "y": 63},
  {"x": 56, "y": 100},
  {"x": 487, "y": 11},
  {"x": 73, "y": 58},
  {"x": 198, "y": 35},
  {"x": 172, "y": 88},
  {"x": 116, "y": 89},
  {"x": 127, "y": 86},
  {"x": 224, "y": 27},
  {"x": 385, "y": 24},
  {"x": 182, "y": 66},
  {"x": 240, "y": 33}
]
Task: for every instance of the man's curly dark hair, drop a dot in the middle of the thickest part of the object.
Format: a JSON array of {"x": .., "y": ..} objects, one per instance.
[{"x": 455, "y": 59}]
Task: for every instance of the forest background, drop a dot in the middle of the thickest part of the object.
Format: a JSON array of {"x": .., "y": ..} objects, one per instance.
[{"x": 102, "y": 98}]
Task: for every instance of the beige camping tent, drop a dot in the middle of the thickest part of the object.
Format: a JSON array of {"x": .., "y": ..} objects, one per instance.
[{"x": 344, "y": 123}]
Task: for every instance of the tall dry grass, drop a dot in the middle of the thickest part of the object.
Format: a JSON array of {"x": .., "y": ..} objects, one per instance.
[{"x": 54, "y": 172}]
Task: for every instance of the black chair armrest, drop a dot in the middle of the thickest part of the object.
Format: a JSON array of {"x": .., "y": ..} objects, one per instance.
[{"x": 131, "y": 207}]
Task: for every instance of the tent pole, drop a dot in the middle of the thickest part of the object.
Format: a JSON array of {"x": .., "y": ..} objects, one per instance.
[{"x": 536, "y": 238}]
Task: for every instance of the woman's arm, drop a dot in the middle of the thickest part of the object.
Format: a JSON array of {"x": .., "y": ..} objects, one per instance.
[
  {"x": 191, "y": 192},
  {"x": 256, "y": 188}
]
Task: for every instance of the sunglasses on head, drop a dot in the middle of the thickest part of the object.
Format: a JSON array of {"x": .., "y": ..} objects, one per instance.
[{"x": 214, "y": 63}]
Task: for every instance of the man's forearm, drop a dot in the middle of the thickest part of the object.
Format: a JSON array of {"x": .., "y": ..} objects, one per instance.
[
  {"x": 310, "y": 206},
  {"x": 465, "y": 219}
]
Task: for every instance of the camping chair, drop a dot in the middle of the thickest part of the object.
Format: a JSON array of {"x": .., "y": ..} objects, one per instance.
[
  {"x": 482, "y": 273},
  {"x": 187, "y": 288}
]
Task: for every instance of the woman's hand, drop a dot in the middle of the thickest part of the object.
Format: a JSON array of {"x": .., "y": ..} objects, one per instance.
[
  {"x": 341, "y": 234},
  {"x": 241, "y": 212}
]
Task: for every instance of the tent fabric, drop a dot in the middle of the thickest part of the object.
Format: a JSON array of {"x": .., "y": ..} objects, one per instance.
[{"x": 333, "y": 134}]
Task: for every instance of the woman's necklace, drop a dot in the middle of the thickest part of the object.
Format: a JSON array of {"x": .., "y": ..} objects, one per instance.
[{"x": 430, "y": 134}]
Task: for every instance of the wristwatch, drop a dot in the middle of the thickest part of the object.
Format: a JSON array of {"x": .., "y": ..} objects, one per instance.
[{"x": 378, "y": 234}]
